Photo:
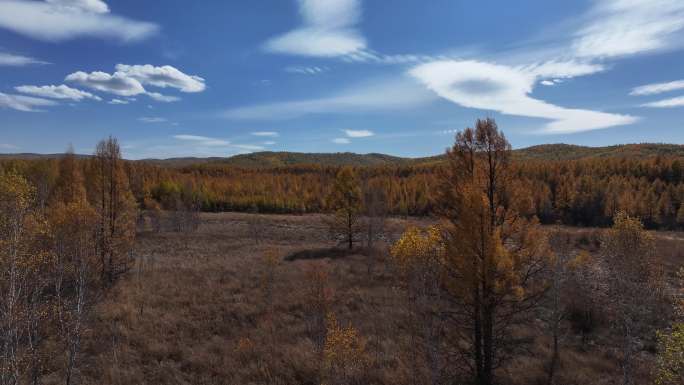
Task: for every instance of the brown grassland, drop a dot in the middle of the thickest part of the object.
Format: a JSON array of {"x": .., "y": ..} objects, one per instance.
[{"x": 198, "y": 308}]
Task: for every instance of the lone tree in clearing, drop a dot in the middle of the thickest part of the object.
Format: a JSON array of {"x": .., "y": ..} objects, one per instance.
[
  {"x": 495, "y": 258},
  {"x": 346, "y": 200},
  {"x": 115, "y": 206}
]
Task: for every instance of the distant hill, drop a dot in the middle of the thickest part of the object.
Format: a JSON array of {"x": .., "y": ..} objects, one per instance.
[
  {"x": 279, "y": 159},
  {"x": 557, "y": 151},
  {"x": 570, "y": 151}
]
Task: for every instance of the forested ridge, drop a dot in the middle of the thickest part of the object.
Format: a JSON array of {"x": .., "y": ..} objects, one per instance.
[{"x": 586, "y": 191}]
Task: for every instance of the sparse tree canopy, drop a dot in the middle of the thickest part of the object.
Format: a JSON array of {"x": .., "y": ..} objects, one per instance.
[{"x": 346, "y": 201}]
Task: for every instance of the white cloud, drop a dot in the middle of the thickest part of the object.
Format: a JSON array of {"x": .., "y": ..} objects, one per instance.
[
  {"x": 118, "y": 83},
  {"x": 506, "y": 89},
  {"x": 312, "y": 70},
  {"x": 562, "y": 68},
  {"x": 658, "y": 88},
  {"x": 341, "y": 141},
  {"x": 327, "y": 31},
  {"x": 130, "y": 80},
  {"x": 667, "y": 103},
  {"x": 152, "y": 119},
  {"x": 59, "y": 20},
  {"x": 627, "y": 27},
  {"x": 162, "y": 98},
  {"x": 265, "y": 133},
  {"x": 7, "y": 146},
  {"x": 118, "y": 101},
  {"x": 203, "y": 140},
  {"x": 57, "y": 92},
  {"x": 23, "y": 103},
  {"x": 249, "y": 147},
  {"x": 96, "y": 6},
  {"x": 8, "y": 59},
  {"x": 547, "y": 83},
  {"x": 358, "y": 133},
  {"x": 269, "y": 143},
  {"x": 164, "y": 76},
  {"x": 373, "y": 96}
]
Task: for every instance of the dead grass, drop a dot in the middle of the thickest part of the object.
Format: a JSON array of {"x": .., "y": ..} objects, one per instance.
[{"x": 192, "y": 312}]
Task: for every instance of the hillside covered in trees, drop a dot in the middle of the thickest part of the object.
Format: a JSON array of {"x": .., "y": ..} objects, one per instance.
[{"x": 587, "y": 191}]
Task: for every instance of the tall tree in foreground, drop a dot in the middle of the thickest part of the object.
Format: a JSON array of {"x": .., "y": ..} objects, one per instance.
[
  {"x": 73, "y": 223},
  {"x": 115, "y": 207},
  {"x": 494, "y": 258},
  {"x": 635, "y": 286},
  {"x": 23, "y": 279},
  {"x": 346, "y": 200}
]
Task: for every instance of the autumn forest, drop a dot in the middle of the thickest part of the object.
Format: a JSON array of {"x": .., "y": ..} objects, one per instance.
[{"x": 475, "y": 267}]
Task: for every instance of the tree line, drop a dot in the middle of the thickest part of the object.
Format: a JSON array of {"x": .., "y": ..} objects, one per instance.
[
  {"x": 585, "y": 192},
  {"x": 65, "y": 238}
]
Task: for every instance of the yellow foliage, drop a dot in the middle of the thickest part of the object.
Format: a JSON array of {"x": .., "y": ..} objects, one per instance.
[{"x": 344, "y": 350}]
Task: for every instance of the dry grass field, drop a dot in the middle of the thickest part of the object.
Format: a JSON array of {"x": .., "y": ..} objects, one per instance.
[{"x": 209, "y": 307}]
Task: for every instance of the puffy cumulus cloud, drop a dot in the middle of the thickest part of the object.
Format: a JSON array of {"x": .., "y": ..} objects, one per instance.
[
  {"x": 23, "y": 103},
  {"x": 163, "y": 98},
  {"x": 327, "y": 30},
  {"x": 164, "y": 76},
  {"x": 358, "y": 133},
  {"x": 57, "y": 92},
  {"x": 341, "y": 141},
  {"x": 130, "y": 80},
  {"x": 628, "y": 27},
  {"x": 59, "y": 20},
  {"x": 487, "y": 86},
  {"x": 118, "y": 83},
  {"x": 657, "y": 88},
  {"x": 9, "y": 59},
  {"x": 667, "y": 103}
]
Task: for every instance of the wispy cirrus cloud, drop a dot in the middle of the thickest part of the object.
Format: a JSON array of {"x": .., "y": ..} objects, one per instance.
[
  {"x": 59, "y": 20},
  {"x": 611, "y": 29},
  {"x": 57, "y": 92},
  {"x": 666, "y": 103},
  {"x": 203, "y": 140},
  {"x": 153, "y": 119},
  {"x": 24, "y": 103},
  {"x": 271, "y": 134},
  {"x": 358, "y": 133},
  {"x": 617, "y": 28},
  {"x": 307, "y": 70},
  {"x": 328, "y": 30},
  {"x": 657, "y": 88},
  {"x": 368, "y": 96},
  {"x": 507, "y": 90},
  {"x": 14, "y": 60}
]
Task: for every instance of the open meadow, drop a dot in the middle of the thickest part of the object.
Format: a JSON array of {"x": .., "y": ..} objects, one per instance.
[{"x": 228, "y": 304}]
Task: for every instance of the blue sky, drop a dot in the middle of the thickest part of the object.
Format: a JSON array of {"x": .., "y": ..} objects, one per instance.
[{"x": 216, "y": 78}]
